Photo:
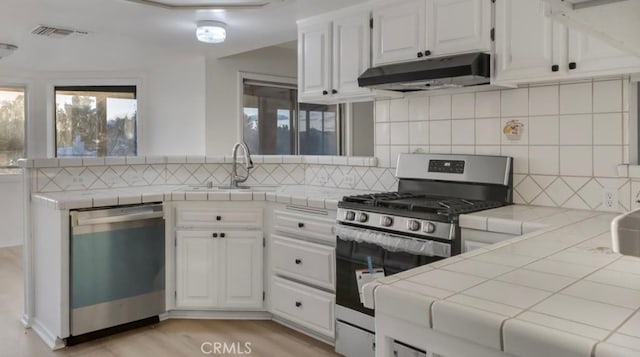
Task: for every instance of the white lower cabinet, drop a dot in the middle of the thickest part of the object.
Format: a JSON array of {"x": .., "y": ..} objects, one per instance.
[
  {"x": 219, "y": 269},
  {"x": 303, "y": 269},
  {"x": 311, "y": 308}
]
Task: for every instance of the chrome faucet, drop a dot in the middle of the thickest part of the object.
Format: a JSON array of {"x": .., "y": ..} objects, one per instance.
[{"x": 248, "y": 164}]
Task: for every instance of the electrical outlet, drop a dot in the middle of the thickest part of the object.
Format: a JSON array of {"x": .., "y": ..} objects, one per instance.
[
  {"x": 350, "y": 181},
  {"x": 322, "y": 179},
  {"x": 77, "y": 179},
  {"x": 610, "y": 199}
]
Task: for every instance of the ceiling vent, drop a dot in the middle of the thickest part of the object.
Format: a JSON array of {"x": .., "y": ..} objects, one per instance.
[{"x": 56, "y": 32}]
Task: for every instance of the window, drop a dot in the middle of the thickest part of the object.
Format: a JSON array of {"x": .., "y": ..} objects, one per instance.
[
  {"x": 12, "y": 126},
  {"x": 318, "y": 129},
  {"x": 96, "y": 121},
  {"x": 275, "y": 123}
]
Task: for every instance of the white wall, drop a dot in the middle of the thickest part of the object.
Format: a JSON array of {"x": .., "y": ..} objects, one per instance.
[
  {"x": 175, "y": 112},
  {"x": 222, "y": 107},
  {"x": 11, "y": 210}
]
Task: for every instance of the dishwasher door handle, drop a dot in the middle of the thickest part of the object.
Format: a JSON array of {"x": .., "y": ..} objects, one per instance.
[{"x": 121, "y": 218}]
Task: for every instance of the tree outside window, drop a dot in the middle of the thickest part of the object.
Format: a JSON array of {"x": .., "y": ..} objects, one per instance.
[
  {"x": 12, "y": 126},
  {"x": 96, "y": 121}
]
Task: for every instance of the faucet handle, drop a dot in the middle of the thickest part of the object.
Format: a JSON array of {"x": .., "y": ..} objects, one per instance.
[{"x": 250, "y": 163}]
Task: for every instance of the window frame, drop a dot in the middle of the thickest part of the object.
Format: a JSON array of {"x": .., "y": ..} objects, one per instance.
[
  {"x": 250, "y": 76},
  {"x": 50, "y": 95},
  {"x": 26, "y": 88}
]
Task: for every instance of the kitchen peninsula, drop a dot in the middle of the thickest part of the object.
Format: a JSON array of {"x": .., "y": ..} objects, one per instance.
[{"x": 556, "y": 290}]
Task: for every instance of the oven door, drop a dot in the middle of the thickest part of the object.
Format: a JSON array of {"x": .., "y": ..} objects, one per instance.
[{"x": 394, "y": 253}]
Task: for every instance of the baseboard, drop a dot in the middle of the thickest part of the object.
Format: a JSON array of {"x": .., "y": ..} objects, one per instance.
[
  {"x": 49, "y": 339},
  {"x": 11, "y": 243},
  {"x": 25, "y": 320},
  {"x": 217, "y": 315}
]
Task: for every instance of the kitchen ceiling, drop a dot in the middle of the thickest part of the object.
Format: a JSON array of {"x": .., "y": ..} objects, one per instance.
[{"x": 119, "y": 30}]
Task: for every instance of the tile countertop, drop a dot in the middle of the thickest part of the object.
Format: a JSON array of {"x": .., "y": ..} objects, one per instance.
[
  {"x": 556, "y": 290},
  {"x": 301, "y": 195}
]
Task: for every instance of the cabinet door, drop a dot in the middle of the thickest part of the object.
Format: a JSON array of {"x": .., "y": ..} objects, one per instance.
[
  {"x": 314, "y": 61},
  {"x": 351, "y": 53},
  {"x": 597, "y": 57},
  {"x": 399, "y": 32},
  {"x": 196, "y": 272},
  {"x": 240, "y": 255},
  {"x": 458, "y": 26},
  {"x": 527, "y": 42}
]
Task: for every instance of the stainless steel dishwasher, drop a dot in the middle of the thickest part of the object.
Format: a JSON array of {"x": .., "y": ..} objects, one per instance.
[{"x": 117, "y": 269}]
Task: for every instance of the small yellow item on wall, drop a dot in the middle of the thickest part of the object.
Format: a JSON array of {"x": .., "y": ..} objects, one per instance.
[{"x": 513, "y": 130}]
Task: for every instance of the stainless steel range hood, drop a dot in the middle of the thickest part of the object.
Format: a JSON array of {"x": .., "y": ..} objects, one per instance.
[{"x": 463, "y": 70}]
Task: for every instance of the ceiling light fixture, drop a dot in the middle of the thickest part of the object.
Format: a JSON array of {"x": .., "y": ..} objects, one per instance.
[
  {"x": 211, "y": 31},
  {"x": 6, "y": 49}
]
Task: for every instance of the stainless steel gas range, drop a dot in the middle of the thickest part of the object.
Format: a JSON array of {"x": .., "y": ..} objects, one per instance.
[{"x": 385, "y": 233}]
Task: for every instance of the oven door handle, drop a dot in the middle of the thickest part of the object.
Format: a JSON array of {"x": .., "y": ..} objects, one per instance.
[{"x": 394, "y": 243}]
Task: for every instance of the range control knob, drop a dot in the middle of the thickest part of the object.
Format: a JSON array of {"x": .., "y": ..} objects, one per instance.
[
  {"x": 363, "y": 217},
  {"x": 428, "y": 227},
  {"x": 350, "y": 216},
  {"x": 413, "y": 225},
  {"x": 386, "y": 221}
]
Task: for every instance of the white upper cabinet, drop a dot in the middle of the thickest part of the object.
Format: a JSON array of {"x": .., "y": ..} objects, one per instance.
[
  {"x": 332, "y": 54},
  {"x": 314, "y": 60},
  {"x": 458, "y": 26},
  {"x": 527, "y": 43},
  {"x": 398, "y": 31},
  {"x": 588, "y": 54},
  {"x": 409, "y": 30},
  {"x": 351, "y": 53},
  {"x": 530, "y": 47}
]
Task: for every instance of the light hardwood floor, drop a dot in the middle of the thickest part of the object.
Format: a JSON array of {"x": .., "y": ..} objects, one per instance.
[{"x": 168, "y": 338}]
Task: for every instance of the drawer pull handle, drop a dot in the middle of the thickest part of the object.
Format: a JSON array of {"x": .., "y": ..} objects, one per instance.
[
  {"x": 218, "y": 218},
  {"x": 298, "y": 304},
  {"x": 215, "y": 235},
  {"x": 300, "y": 225},
  {"x": 298, "y": 261},
  {"x": 222, "y": 235}
]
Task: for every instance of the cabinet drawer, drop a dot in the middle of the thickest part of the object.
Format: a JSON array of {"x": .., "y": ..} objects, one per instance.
[
  {"x": 307, "y": 262},
  {"x": 306, "y": 306},
  {"x": 219, "y": 217},
  {"x": 306, "y": 226}
]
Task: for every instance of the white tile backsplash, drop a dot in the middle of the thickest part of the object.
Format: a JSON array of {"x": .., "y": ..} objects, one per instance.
[
  {"x": 398, "y": 110},
  {"x": 440, "y": 132},
  {"x": 572, "y": 133},
  {"x": 399, "y": 133},
  {"x": 544, "y": 130},
  {"x": 576, "y": 98},
  {"x": 440, "y": 107},
  {"x": 607, "y": 129},
  {"x": 576, "y": 129},
  {"x": 419, "y": 108},
  {"x": 419, "y": 133},
  {"x": 463, "y": 132},
  {"x": 515, "y": 102},
  {"x": 487, "y": 104},
  {"x": 463, "y": 106},
  {"x": 576, "y": 160},
  {"x": 607, "y": 96},
  {"x": 543, "y": 100}
]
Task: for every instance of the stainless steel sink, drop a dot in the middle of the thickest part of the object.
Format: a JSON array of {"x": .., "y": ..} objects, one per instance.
[{"x": 625, "y": 233}]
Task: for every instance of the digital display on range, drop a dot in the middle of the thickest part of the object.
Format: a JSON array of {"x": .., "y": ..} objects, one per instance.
[{"x": 447, "y": 166}]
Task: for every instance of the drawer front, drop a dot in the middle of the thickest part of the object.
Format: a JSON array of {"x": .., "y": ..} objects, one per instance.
[
  {"x": 306, "y": 226},
  {"x": 307, "y": 262},
  {"x": 306, "y": 306},
  {"x": 212, "y": 217}
]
